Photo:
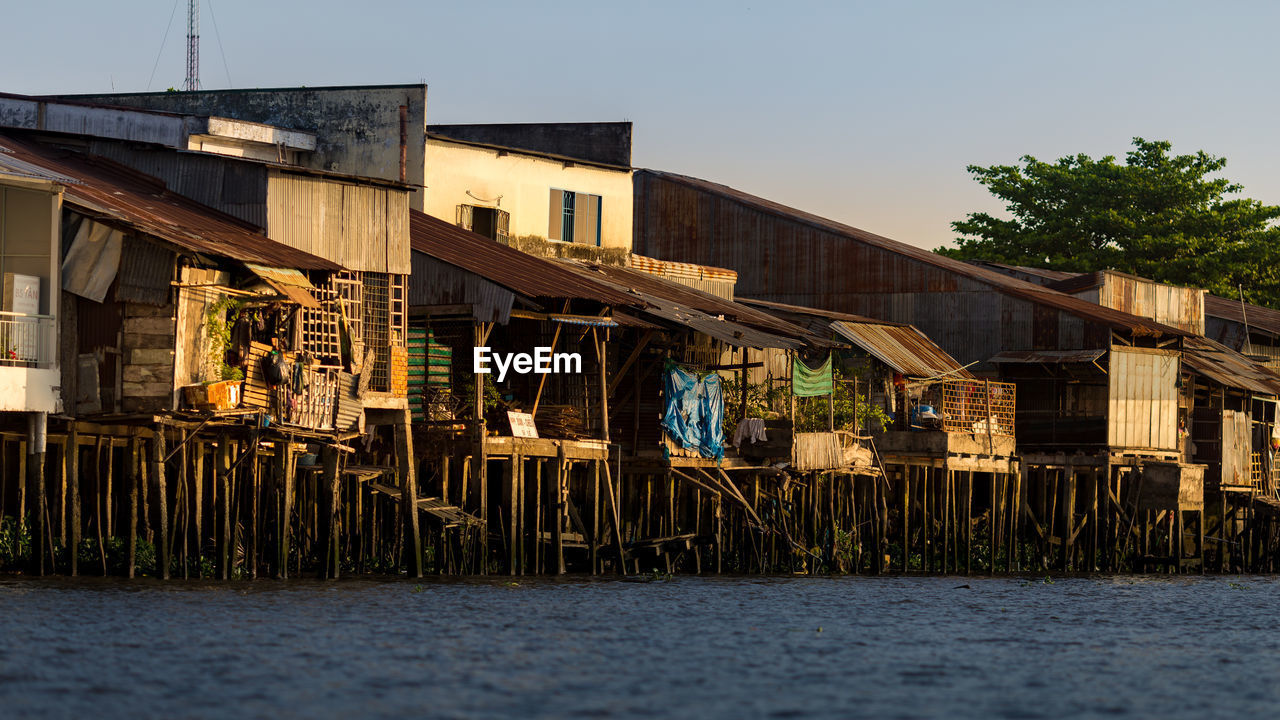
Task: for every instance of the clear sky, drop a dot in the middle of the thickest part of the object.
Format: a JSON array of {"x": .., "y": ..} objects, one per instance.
[{"x": 864, "y": 112}]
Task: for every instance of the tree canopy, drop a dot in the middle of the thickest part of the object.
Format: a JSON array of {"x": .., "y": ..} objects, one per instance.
[{"x": 1161, "y": 216}]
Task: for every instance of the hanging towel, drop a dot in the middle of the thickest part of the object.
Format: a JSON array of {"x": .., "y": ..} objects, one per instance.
[
  {"x": 749, "y": 430},
  {"x": 810, "y": 381}
]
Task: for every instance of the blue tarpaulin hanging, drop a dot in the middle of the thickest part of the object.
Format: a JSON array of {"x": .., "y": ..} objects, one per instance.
[{"x": 694, "y": 415}]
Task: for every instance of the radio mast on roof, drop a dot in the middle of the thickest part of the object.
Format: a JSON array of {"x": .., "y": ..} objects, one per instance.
[{"x": 193, "y": 45}]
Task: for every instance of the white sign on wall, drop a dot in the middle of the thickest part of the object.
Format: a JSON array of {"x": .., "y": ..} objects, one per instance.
[
  {"x": 22, "y": 293},
  {"x": 20, "y": 337}
]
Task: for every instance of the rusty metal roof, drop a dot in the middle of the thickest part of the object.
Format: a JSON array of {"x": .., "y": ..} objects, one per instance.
[
  {"x": 667, "y": 300},
  {"x": 1260, "y": 318},
  {"x": 1227, "y": 367},
  {"x": 1050, "y": 357},
  {"x": 520, "y": 272},
  {"x": 644, "y": 284},
  {"x": 642, "y": 293},
  {"x": 1043, "y": 276},
  {"x": 799, "y": 313},
  {"x": 999, "y": 282},
  {"x": 113, "y": 193},
  {"x": 901, "y": 347}
]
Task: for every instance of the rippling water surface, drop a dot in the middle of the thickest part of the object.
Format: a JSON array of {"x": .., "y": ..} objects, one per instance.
[{"x": 689, "y": 647}]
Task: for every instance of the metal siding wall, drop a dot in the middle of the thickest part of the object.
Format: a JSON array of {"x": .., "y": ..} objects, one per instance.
[
  {"x": 772, "y": 253},
  {"x": 1142, "y": 399},
  {"x": 433, "y": 282},
  {"x": 397, "y": 231},
  {"x": 360, "y": 227},
  {"x": 789, "y": 261},
  {"x": 1237, "y": 450}
]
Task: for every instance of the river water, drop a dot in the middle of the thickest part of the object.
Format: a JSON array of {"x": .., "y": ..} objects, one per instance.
[{"x": 686, "y": 647}]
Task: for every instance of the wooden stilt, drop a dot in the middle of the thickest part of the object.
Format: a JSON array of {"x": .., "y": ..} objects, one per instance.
[
  {"x": 617, "y": 522},
  {"x": 289, "y": 471},
  {"x": 41, "y": 536},
  {"x": 557, "y": 530},
  {"x": 157, "y": 469},
  {"x": 509, "y": 522},
  {"x": 222, "y": 473},
  {"x": 408, "y": 470},
  {"x": 255, "y": 490},
  {"x": 197, "y": 489},
  {"x": 135, "y": 469},
  {"x": 906, "y": 518},
  {"x": 332, "y": 551}
]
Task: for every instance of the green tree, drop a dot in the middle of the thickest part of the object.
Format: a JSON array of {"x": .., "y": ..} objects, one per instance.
[{"x": 1166, "y": 217}]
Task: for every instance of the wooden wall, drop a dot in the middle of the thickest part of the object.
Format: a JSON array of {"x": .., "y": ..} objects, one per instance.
[{"x": 147, "y": 340}]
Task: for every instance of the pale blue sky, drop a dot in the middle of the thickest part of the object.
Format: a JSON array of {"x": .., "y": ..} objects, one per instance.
[{"x": 865, "y": 112}]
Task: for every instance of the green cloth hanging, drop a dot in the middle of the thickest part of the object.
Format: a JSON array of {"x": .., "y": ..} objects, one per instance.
[{"x": 809, "y": 381}]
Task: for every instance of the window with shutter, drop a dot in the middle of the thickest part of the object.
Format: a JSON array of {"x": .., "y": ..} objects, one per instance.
[
  {"x": 575, "y": 217},
  {"x": 556, "y": 213}
]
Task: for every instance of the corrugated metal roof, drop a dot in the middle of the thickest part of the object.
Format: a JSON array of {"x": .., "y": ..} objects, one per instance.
[
  {"x": 902, "y": 348},
  {"x": 111, "y": 192},
  {"x": 1228, "y": 367},
  {"x": 12, "y": 165},
  {"x": 1043, "y": 276},
  {"x": 1049, "y": 356},
  {"x": 1259, "y": 317},
  {"x": 520, "y": 272},
  {"x": 641, "y": 283},
  {"x": 671, "y": 268},
  {"x": 644, "y": 294},
  {"x": 793, "y": 313},
  {"x": 997, "y": 281},
  {"x": 718, "y": 328}
]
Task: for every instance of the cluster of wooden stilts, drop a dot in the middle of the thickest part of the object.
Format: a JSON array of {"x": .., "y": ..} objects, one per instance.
[{"x": 179, "y": 499}]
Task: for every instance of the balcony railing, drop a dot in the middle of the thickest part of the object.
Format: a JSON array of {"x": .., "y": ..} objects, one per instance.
[
  {"x": 978, "y": 406},
  {"x": 26, "y": 340}
]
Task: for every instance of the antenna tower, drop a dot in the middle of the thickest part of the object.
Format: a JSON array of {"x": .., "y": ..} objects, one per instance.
[{"x": 193, "y": 45}]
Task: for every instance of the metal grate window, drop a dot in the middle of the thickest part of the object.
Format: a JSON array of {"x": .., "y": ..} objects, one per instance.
[{"x": 977, "y": 406}]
